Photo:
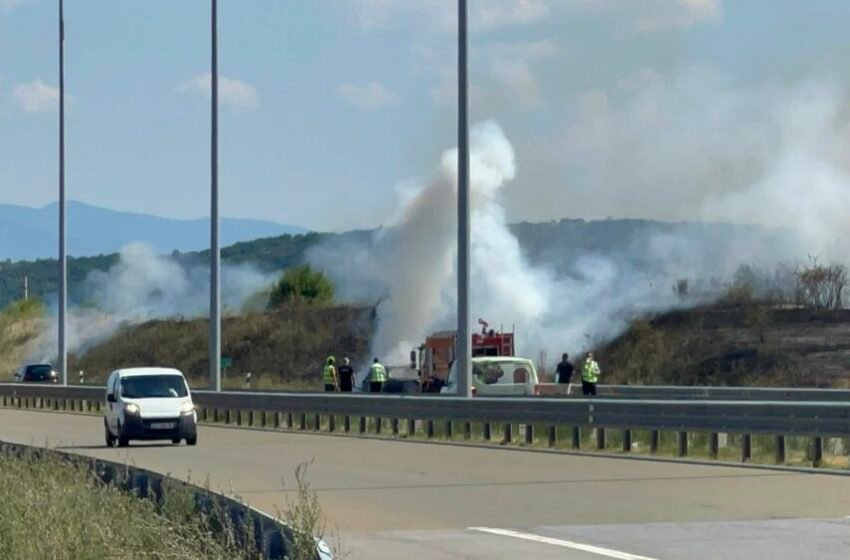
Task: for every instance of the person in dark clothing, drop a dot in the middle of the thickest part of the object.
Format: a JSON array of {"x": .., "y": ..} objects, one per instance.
[
  {"x": 346, "y": 376},
  {"x": 565, "y": 369}
]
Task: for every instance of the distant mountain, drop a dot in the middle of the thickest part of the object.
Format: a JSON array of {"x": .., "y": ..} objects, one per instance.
[{"x": 31, "y": 233}]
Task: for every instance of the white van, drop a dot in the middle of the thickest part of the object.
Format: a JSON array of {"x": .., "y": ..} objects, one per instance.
[
  {"x": 149, "y": 404},
  {"x": 498, "y": 376}
]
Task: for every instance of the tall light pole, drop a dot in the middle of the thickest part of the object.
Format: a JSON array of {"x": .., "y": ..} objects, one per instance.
[
  {"x": 464, "y": 354},
  {"x": 63, "y": 257},
  {"x": 215, "y": 249}
]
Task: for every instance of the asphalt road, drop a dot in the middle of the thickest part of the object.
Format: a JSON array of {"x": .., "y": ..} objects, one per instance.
[{"x": 396, "y": 499}]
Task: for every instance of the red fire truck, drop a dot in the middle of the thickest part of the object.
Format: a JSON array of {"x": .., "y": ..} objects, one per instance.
[{"x": 433, "y": 359}]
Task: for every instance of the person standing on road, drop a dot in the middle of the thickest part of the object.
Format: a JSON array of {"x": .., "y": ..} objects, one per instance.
[
  {"x": 589, "y": 375},
  {"x": 565, "y": 370},
  {"x": 377, "y": 377},
  {"x": 346, "y": 376},
  {"x": 329, "y": 376}
]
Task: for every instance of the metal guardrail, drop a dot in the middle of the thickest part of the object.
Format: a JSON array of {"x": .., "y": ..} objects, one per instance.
[
  {"x": 270, "y": 536},
  {"x": 816, "y": 420},
  {"x": 664, "y": 392}
]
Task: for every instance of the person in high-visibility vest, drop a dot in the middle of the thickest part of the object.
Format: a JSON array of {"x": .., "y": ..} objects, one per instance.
[
  {"x": 589, "y": 375},
  {"x": 329, "y": 376},
  {"x": 377, "y": 377}
]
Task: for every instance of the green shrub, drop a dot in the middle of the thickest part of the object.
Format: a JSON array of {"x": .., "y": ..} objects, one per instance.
[{"x": 301, "y": 285}]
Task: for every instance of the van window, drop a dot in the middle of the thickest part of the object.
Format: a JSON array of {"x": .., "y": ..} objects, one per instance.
[
  {"x": 153, "y": 387},
  {"x": 501, "y": 373}
]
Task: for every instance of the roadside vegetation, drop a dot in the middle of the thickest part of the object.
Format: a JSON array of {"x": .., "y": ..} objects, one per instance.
[
  {"x": 285, "y": 347},
  {"x": 50, "y": 508},
  {"x": 20, "y": 325},
  {"x": 786, "y": 327}
]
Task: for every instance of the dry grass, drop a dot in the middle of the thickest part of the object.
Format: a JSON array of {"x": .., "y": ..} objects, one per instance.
[
  {"x": 282, "y": 349},
  {"x": 20, "y": 325},
  {"x": 50, "y": 508}
]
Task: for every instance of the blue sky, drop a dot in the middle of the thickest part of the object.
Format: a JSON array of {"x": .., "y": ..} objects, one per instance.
[{"x": 328, "y": 104}]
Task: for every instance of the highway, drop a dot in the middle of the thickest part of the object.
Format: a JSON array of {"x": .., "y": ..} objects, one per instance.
[{"x": 411, "y": 500}]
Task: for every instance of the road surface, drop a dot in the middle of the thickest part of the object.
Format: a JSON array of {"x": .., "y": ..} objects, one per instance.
[{"x": 397, "y": 499}]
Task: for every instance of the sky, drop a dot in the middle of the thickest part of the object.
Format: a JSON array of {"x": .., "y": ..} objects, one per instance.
[{"x": 652, "y": 109}]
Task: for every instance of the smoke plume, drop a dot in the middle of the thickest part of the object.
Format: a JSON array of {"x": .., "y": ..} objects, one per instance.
[{"x": 142, "y": 286}]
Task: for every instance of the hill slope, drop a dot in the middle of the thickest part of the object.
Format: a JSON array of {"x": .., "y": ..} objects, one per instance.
[
  {"x": 288, "y": 346},
  {"x": 750, "y": 344}
]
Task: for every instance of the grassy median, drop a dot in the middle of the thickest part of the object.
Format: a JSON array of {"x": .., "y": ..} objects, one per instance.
[{"x": 51, "y": 508}]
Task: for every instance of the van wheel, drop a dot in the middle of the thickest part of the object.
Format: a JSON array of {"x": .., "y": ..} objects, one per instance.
[
  {"x": 110, "y": 439},
  {"x": 175, "y": 441},
  {"x": 192, "y": 440},
  {"x": 123, "y": 441}
]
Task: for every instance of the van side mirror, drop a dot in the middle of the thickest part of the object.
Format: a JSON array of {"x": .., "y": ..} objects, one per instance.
[{"x": 110, "y": 397}]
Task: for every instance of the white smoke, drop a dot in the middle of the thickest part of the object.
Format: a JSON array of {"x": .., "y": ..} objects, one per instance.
[
  {"x": 411, "y": 264},
  {"x": 142, "y": 286}
]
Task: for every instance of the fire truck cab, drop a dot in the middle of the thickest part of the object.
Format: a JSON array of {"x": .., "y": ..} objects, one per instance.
[{"x": 434, "y": 359}]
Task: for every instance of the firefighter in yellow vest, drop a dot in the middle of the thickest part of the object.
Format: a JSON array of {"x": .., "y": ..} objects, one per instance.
[
  {"x": 329, "y": 376},
  {"x": 589, "y": 375},
  {"x": 377, "y": 377}
]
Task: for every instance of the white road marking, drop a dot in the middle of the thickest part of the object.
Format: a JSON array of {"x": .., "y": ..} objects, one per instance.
[{"x": 606, "y": 552}]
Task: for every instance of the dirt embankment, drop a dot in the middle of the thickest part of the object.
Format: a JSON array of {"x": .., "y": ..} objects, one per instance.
[
  {"x": 280, "y": 348},
  {"x": 750, "y": 344}
]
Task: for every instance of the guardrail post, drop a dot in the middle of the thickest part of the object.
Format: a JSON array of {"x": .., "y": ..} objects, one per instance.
[
  {"x": 317, "y": 422},
  {"x": 276, "y": 420},
  {"x": 73, "y": 405},
  {"x": 576, "y": 438},
  {"x": 238, "y": 417},
  {"x": 64, "y": 404},
  {"x": 290, "y": 420},
  {"x": 251, "y": 418},
  {"x": 55, "y": 404},
  {"x": 509, "y": 432},
  {"x": 746, "y": 448},
  {"x": 263, "y": 419},
  {"x": 4, "y": 400},
  {"x": 713, "y": 445},
  {"x": 487, "y": 434},
  {"x": 467, "y": 430},
  {"x": 817, "y": 451},
  {"x": 346, "y": 423},
  {"x": 654, "y": 441},
  {"x": 553, "y": 435},
  {"x": 627, "y": 441},
  {"x": 394, "y": 425},
  {"x": 411, "y": 427},
  {"x": 529, "y": 434},
  {"x": 378, "y": 424},
  {"x": 780, "y": 450},
  {"x": 449, "y": 430},
  {"x": 429, "y": 429},
  {"x": 302, "y": 421},
  {"x": 331, "y": 423},
  {"x": 362, "y": 425},
  {"x": 27, "y": 402},
  {"x": 600, "y": 439},
  {"x": 683, "y": 444},
  {"x": 227, "y": 416},
  {"x": 215, "y": 415}
]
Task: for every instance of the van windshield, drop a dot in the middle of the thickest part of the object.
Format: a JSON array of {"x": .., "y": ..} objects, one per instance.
[{"x": 153, "y": 387}]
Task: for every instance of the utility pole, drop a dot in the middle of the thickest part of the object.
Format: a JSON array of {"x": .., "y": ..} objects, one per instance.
[
  {"x": 464, "y": 354},
  {"x": 215, "y": 249},
  {"x": 26, "y": 288},
  {"x": 63, "y": 257}
]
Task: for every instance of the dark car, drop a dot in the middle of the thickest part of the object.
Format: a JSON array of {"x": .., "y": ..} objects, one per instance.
[{"x": 36, "y": 373}]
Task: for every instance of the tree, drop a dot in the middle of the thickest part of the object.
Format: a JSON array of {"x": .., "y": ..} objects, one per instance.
[
  {"x": 301, "y": 285},
  {"x": 821, "y": 287}
]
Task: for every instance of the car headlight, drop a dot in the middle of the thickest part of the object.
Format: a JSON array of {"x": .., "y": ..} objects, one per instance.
[
  {"x": 187, "y": 408},
  {"x": 132, "y": 408}
]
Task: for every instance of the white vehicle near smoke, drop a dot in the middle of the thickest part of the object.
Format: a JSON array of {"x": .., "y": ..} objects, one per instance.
[
  {"x": 498, "y": 376},
  {"x": 149, "y": 404}
]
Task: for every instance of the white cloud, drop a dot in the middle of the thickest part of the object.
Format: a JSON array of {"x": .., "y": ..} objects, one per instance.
[
  {"x": 656, "y": 15},
  {"x": 441, "y": 15},
  {"x": 36, "y": 96},
  {"x": 235, "y": 93},
  {"x": 368, "y": 97}
]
